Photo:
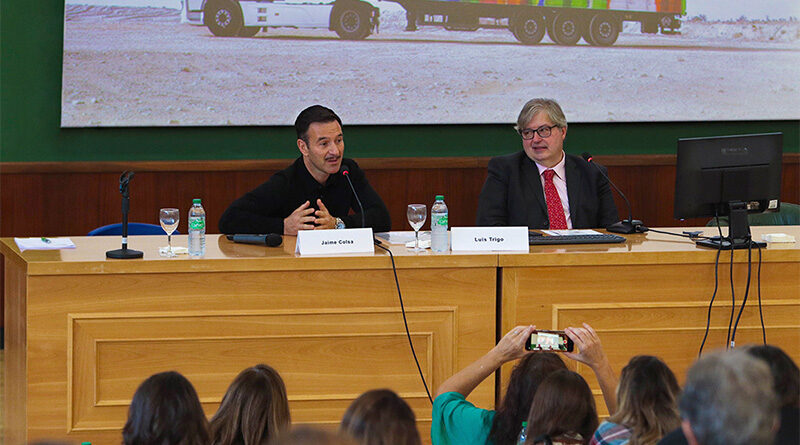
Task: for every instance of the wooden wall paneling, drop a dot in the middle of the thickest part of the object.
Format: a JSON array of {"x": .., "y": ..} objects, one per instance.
[
  {"x": 15, "y": 359},
  {"x": 116, "y": 329},
  {"x": 658, "y": 309}
]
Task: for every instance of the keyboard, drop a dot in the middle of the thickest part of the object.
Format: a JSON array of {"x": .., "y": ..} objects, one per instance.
[{"x": 602, "y": 238}]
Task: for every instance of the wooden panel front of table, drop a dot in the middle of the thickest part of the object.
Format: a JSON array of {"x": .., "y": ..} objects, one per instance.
[
  {"x": 83, "y": 332},
  {"x": 651, "y": 296}
]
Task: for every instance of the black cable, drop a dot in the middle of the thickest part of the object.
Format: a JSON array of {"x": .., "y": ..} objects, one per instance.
[
  {"x": 733, "y": 303},
  {"x": 405, "y": 321},
  {"x": 684, "y": 235},
  {"x": 760, "y": 313},
  {"x": 746, "y": 291},
  {"x": 710, "y": 305},
  {"x": 716, "y": 285}
]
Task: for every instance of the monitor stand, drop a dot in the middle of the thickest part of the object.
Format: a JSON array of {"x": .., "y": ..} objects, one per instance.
[{"x": 738, "y": 231}]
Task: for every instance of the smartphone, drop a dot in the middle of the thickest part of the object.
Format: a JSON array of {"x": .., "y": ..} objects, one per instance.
[{"x": 549, "y": 341}]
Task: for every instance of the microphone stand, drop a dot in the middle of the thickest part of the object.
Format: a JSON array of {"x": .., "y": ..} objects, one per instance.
[
  {"x": 124, "y": 253},
  {"x": 625, "y": 226}
]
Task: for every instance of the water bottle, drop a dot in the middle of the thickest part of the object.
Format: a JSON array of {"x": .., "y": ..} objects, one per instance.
[
  {"x": 439, "y": 241},
  {"x": 197, "y": 229},
  {"x": 523, "y": 434}
]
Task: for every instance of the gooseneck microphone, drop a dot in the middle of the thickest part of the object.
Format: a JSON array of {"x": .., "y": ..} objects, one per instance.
[
  {"x": 629, "y": 225},
  {"x": 269, "y": 240},
  {"x": 346, "y": 174}
]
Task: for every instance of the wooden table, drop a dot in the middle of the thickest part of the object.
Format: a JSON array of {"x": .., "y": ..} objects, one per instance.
[
  {"x": 82, "y": 332},
  {"x": 651, "y": 296}
]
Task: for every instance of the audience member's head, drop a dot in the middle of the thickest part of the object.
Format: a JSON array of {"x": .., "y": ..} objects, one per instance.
[
  {"x": 525, "y": 379},
  {"x": 253, "y": 410},
  {"x": 728, "y": 400},
  {"x": 647, "y": 399},
  {"x": 563, "y": 407},
  {"x": 784, "y": 371},
  {"x": 380, "y": 417},
  {"x": 165, "y": 410},
  {"x": 304, "y": 435}
]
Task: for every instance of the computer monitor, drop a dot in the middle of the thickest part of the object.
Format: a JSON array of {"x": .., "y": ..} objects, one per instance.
[{"x": 728, "y": 176}]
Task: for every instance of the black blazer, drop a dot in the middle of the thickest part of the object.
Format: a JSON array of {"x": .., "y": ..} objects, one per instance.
[{"x": 512, "y": 194}]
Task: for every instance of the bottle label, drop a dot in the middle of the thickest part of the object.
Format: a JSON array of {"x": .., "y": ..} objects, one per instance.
[
  {"x": 441, "y": 220},
  {"x": 197, "y": 223}
]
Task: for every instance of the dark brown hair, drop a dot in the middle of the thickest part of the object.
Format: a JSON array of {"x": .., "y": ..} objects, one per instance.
[
  {"x": 165, "y": 410},
  {"x": 648, "y": 399},
  {"x": 784, "y": 371},
  {"x": 253, "y": 410},
  {"x": 380, "y": 417},
  {"x": 525, "y": 379},
  {"x": 564, "y": 404},
  {"x": 305, "y": 435}
]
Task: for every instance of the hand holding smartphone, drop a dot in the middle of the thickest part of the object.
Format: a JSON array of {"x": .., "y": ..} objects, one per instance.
[{"x": 556, "y": 341}]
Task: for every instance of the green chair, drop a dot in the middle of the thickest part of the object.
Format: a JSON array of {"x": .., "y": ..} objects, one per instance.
[{"x": 789, "y": 215}]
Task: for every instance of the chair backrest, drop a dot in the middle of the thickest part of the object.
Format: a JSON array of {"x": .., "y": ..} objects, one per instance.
[
  {"x": 789, "y": 215},
  {"x": 133, "y": 229}
]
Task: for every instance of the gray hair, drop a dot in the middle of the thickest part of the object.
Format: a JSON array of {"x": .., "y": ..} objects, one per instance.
[
  {"x": 729, "y": 400},
  {"x": 550, "y": 107}
]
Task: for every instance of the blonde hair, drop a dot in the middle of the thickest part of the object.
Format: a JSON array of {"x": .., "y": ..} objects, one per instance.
[{"x": 647, "y": 396}]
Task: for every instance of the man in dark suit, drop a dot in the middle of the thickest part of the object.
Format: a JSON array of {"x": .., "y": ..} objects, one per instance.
[{"x": 541, "y": 186}]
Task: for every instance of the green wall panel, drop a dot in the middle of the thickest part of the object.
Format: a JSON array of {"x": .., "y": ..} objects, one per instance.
[{"x": 30, "y": 109}]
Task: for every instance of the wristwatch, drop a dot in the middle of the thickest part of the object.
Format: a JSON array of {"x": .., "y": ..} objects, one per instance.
[{"x": 339, "y": 223}]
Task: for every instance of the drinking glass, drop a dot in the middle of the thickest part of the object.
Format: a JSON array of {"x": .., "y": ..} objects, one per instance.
[
  {"x": 417, "y": 214},
  {"x": 169, "y": 219}
]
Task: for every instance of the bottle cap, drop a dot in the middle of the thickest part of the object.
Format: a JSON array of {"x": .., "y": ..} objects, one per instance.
[
  {"x": 196, "y": 201},
  {"x": 524, "y": 424},
  {"x": 440, "y": 197}
]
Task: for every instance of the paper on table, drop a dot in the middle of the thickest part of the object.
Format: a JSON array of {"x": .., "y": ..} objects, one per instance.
[
  {"x": 571, "y": 232},
  {"x": 402, "y": 237},
  {"x": 43, "y": 243}
]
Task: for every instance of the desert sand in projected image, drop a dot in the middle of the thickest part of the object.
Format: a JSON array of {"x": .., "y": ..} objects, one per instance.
[{"x": 140, "y": 66}]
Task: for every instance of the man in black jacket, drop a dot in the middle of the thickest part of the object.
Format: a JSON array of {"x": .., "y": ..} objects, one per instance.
[
  {"x": 312, "y": 193},
  {"x": 541, "y": 186}
]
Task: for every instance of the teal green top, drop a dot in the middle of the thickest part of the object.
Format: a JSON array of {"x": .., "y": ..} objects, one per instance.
[{"x": 456, "y": 421}]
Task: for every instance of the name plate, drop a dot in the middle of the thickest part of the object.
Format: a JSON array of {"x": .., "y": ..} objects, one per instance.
[
  {"x": 489, "y": 239},
  {"x": 315, "y": 242}
]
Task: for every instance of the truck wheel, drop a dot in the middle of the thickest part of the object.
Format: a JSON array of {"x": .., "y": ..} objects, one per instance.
[
  {"x": 603, "y": 31},
  {"x": 565, "y": 29},
  {"x": 351, "y": 21},
  {"x": 223, "y": 18},
  {"x": 528, "y": 28},
  {"x": 249, "y": 31}
]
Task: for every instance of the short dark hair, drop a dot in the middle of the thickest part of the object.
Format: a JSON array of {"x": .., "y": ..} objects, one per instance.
[
  {"x": 380, "y": 416},
  {"x": 312, "y": 114},
  {"x": 784, "y": 371},
  {"x": 165, "y": 410}
]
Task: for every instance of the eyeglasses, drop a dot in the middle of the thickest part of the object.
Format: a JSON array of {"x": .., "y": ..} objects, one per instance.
[{"x": 544, "y": 132}]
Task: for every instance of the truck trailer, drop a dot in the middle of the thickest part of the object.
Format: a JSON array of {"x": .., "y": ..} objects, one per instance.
[{"x": 598, "y": 22}]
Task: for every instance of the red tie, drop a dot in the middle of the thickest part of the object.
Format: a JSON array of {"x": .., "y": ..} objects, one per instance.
[{"x": 555, "y": 211}]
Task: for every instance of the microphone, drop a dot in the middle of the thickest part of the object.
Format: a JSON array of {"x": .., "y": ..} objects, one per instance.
[
  {"x": 270, "y": 240},
  {"x": 346, "y": 174},
  {"x": 625, "y": 226},
  {"x": 124, "y": 253}
]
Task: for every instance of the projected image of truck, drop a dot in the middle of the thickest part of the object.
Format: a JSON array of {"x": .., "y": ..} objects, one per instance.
[{"x": 543, "y": 341}]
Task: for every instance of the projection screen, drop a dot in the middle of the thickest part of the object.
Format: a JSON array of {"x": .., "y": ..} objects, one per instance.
[{"x": 258, "y": 62}]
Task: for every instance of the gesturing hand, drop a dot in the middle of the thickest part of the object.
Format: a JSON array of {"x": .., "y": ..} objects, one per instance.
[
  {"x": 324, "y": 218},
  {"x": 301, "y": 219}
]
